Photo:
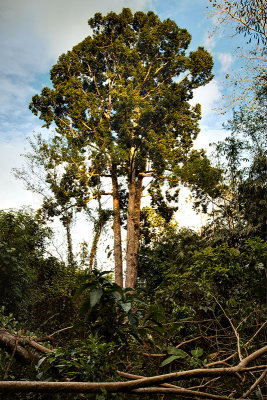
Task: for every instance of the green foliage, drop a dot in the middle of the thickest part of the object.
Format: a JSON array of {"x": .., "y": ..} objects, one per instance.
[
  {"x": 163, "y": 247},
  {"x": 125, "y": 95},
  {"x": 22, "y": 242},
  {"x": 106, "y": 308},
  {"x": 34, "y": 287},
  {"x": 90, "y": 360},
  {"x": 204, "y": 180},
  {"x": 231, "y": 277},
  {"x": 243, "y": 156}
]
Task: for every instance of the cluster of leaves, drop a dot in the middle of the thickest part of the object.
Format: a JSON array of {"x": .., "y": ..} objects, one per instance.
[
  {"x": 105, "y": 306},
  {"x": 90, "y": 360}
]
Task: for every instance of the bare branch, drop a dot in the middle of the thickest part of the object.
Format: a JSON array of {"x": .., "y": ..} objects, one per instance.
[{"x": 255, "y": 384}]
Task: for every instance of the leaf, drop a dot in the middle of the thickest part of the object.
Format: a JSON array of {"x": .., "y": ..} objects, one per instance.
[
  {"x": 95, "y": 296},
  {"x": 132, "y": 320},
  {"x": 177, "y": 352},
  {"x": 197, "y": 352},
  {"x": 39, "y": 376},
  {"x": 40, "y": 362},
  {"x": 116, "y": 295},
  {"x": 169, "y": 360},
  {"x": 100, "y": 397},
  {"x": 126, "y": 307}
]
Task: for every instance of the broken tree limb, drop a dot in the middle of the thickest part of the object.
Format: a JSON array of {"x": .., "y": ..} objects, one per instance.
[
  {"x": 10, "y": 342},
  {"x": 174, "y": 389},
  {"x": 140, "y": 385},
  {"x": 38, "y": 347}
]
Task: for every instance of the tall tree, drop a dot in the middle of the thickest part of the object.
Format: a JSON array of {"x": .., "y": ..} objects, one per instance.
[{"x": 120, "y": 106}]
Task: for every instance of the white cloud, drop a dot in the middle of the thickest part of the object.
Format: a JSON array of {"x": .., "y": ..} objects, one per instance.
[
  {"x": 186, "y": 215},
  {"x": 226, "y": 60},
  {"x": 46, "y": 28},
  {"x": 32, "y": 36},
  {"x": 13, "y": 194},
  {"x": 207, "y": 136},
  {"x": 208, "y": 96},
  {"x": 209, "y": 42}
]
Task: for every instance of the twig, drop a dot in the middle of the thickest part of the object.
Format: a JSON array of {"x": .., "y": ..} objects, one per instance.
[
  {"x": 234, "y": 329},
  {"x": 245, "y": 395},
  {"x": 221, "y": 361},
  {"x": 253, "y": 337},
  {"x": 179, "y": 345},
  {"x": 132, "y": 376},
  {"x": 184, "y": 392},
  {"x": 205, "y": 384},
  {"x": 188, "y": 341},
  {"x": 11, "y": 358},
  {"x": 61, "y": 330}
]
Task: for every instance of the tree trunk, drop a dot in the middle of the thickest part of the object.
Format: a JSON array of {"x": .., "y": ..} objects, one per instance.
[
  {"x": 94, "y": 248},
  {"x": 133, "y": 228},
  {"x": 137, "y": 220},
  {"x": 117, "y": 227},
  {"x": 67, "y": 223}
]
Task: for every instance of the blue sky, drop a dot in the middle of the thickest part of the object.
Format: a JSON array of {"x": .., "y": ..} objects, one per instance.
[{"x": 33, "y": 33}]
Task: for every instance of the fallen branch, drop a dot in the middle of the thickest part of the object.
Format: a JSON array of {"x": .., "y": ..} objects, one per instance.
[
  {"x": 9, "y": 342},
  {"x": 183, "y": 392},
  {"x": 255, "y": 384},
  {"x": 137, "y": 385},
  {"x": 172, "y": 389},
  {"x": 38, "y": 347}
]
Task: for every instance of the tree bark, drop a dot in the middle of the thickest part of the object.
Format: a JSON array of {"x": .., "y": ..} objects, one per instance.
[
  {"x": 67, "y": 223},
  {"x": 10, "y": 343},
  {"x": 117, "y": 227},
  {"x": 133, "y": 227}
]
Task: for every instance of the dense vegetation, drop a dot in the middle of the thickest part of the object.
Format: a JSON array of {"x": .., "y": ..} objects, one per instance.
[{"x": 199, "y": 301}]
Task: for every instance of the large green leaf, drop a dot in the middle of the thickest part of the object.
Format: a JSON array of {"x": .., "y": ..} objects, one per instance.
[
  {"x": 177, "y": 352},
  {"x": 126, "y": 307},
  {"x": 95, "y": 296},
  {"x": 197, "y": 352},
  {"x": 169, "y": 360}
]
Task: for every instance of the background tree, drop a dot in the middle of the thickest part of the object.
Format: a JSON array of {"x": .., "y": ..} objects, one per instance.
[
  {"x": 120, "y": 106},
  {"x": 34, "y": 286},
  {"x": 249, "y": 19},
  {"x": 243, "y": 154}
]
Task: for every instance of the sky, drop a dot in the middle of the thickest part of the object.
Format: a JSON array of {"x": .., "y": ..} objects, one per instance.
[{"x": 33, "y": 33}]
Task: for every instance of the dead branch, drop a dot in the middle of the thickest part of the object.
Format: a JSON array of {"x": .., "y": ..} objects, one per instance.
[
  {"x": 38, "y": 346},
  {"x": 221, "y": 361},
  {"x": 138, "y": 385},
  {"x": 188, "y": 341},
  {"x": 174, "y": 389},
  {"x": 255, "y": 384},
  {"x": 132, "y": 376},
  {"x": 9, "y": 342},
  {"x": 183, "y": 392},
  {"x": 154, "y": 354}
]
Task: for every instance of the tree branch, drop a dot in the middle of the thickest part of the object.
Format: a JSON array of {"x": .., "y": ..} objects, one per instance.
[{"x": 9, "y": 342}]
